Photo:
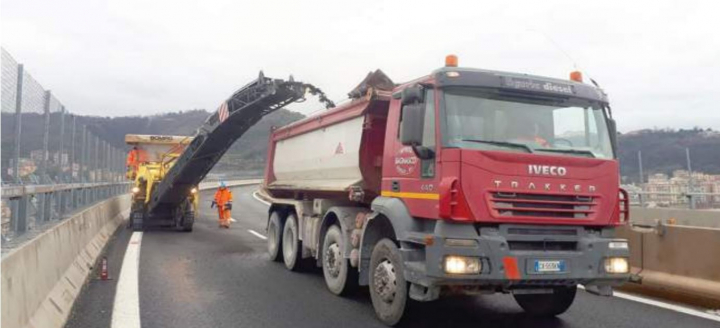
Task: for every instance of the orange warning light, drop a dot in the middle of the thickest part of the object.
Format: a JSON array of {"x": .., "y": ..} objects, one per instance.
[
  {"x": 451, "y": 61},
  {"x": 576, "y": 76}
]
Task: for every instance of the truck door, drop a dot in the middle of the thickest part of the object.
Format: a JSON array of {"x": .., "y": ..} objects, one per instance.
[{"x": 406, "y": 176}]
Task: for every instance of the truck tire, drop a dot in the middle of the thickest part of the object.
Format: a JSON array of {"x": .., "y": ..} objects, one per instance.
[
  {"x": 137, "y": 220},
  {"x": 187, "y": 221},
  {"x": 388, "y": 288},
  {"x": 340, "y": 277},
  {"x": 291, "y": 244},
  {"x": 547, "y": 305},
  {"x": 274, "y": 234}
]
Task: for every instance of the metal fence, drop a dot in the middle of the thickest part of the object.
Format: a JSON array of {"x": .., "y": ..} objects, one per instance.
[
  {"x": 50, "y": 162},
  {"x": 689, "y": 200}
]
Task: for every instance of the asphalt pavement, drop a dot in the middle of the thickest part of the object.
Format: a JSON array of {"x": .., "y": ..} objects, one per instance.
[{"x": 215, "y": 277}]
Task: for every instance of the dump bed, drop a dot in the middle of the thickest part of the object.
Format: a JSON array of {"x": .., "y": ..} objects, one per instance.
[{"x": 332, "y": 152}]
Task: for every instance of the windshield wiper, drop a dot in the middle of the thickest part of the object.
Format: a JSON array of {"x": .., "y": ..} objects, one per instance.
[
  {"x": 568, "y": 151},
  {"x": 501, "y": 143}
]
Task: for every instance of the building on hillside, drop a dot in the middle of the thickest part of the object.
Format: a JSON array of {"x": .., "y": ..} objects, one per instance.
[{"x": 672, "y": 190}]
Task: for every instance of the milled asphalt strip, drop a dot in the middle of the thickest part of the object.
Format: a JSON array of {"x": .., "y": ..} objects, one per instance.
[{"x": 126, "y": 310}]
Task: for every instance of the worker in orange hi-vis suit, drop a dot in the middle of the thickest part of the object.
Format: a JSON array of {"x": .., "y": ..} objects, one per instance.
[
  {"x": 135, "y": 156},
  {"x": 223, "y": 201}
]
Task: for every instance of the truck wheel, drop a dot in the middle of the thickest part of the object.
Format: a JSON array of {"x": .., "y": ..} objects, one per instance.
[
  {"x": 340, "y": 278},
  {"x": 291, "y": 244},
  {"x": 547, "y": 304},
  {"x": 388, "y": 288},
  {"x": 137, "y": 221},
  {"x": 274, "y": 234},
  {"x": 187, "y": 221}
]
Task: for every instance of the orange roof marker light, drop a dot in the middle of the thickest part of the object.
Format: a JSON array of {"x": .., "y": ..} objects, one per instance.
[
  {"x": 576, "y": 76},
  {"x": 451, "y": 61}
]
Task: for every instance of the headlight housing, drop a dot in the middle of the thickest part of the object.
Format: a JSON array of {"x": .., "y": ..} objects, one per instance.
[
  {"x": 454, "y": 264},
  {"x": 617, "y": 265}
]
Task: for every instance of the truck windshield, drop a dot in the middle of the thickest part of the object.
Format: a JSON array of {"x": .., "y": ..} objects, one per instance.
[{"x": 484, "y": 121}]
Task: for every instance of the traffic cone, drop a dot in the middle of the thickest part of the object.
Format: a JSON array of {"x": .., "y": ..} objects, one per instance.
[{"x": 104, "y": 269}]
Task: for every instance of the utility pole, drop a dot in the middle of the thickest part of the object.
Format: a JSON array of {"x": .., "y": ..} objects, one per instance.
[
  {"x": 642, "y": 179},
  {"x": 690, "y": 179}
]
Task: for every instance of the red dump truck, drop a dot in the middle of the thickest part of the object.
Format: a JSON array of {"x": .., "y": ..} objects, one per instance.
[{"x": 461, "y": 181}]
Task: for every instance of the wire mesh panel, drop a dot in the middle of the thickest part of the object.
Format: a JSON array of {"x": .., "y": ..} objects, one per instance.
[
  {"x": 32, "y": 130},
  {"x": 56, "y": 127},
  {"x": 53, "y": 147},
  {"x": 9, "y": 82},
  {"x": 8, "y": 95}
]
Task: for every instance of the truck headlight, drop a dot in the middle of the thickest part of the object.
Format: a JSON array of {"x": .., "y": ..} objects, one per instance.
[
  {"x": 462, "y": 265},
  {"x": 616, "y": 265},
  {"x": 193, "y": 190},
  {"x": 618, "y": 245},
  {"x": 135, "y": 190}
]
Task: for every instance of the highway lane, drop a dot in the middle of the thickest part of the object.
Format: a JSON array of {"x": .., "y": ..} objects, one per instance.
[{"x": 222, "y": 278}]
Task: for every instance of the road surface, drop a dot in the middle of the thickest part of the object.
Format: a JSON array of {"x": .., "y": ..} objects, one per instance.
[{"x": 222, "y": 278}]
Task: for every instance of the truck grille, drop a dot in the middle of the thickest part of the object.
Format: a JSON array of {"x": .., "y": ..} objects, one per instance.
[
  {"x": 543, "y": 205},
  {"x": 546, "y": 246}
]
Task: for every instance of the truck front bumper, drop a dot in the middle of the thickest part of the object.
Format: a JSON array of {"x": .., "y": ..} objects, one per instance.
[{"x": 509, "y": 254}]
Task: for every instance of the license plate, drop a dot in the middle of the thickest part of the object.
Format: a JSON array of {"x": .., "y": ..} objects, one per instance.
[{"x": 542, "y": 266}]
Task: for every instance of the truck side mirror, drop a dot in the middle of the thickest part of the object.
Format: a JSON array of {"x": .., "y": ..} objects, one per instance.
[
  {"x": 612, "y": 130},
  {"x": 413, "y": 121},
  {"x": 413, "y": 94}
]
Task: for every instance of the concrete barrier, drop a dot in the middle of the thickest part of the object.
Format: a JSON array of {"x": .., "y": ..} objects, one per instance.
[
  {"x": 686, "y": 217},
  {"x": 676, "y": 260},
  {"x": 42, "y": 279}
]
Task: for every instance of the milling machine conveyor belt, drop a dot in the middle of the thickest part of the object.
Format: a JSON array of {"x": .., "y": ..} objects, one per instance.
[{"x": 235, "y": 116}]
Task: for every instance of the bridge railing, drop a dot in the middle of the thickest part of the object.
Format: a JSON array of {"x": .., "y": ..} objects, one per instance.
[
  {"x": 30, "y": 207},
  {"x": 52, "y": 160},
  {"x": 690, "y": 200}
]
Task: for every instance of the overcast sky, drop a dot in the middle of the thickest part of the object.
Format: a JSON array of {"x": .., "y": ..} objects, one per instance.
[{"x": 659, "y": 61}]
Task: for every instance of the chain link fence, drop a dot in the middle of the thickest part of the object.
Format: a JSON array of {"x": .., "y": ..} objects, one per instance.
[{"x": 51, "y": 163}]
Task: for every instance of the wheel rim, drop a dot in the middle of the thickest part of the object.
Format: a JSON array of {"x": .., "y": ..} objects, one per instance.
[
  {"x": 289, "y": 241},
  {"x": 385, "y": 281},
  {"x": 333, "y": 260}
]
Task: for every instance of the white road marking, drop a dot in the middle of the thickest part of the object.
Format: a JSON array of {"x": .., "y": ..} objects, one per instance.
[
  {"x": 663, "y": 305},
  {"x": 126, "y": 310},
  {"x": 257, "y": 234},
  {"x": 257, "y": 198}
]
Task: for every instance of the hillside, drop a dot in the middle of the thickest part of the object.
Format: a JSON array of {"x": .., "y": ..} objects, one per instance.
[
  {"x": 663, "y": 150},
  {"x": 246, "y": 154}
]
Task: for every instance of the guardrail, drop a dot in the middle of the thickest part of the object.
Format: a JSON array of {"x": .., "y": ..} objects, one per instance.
[
  {"x": 676, "y": 262},
  {"x": 27, "y": 206}
]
